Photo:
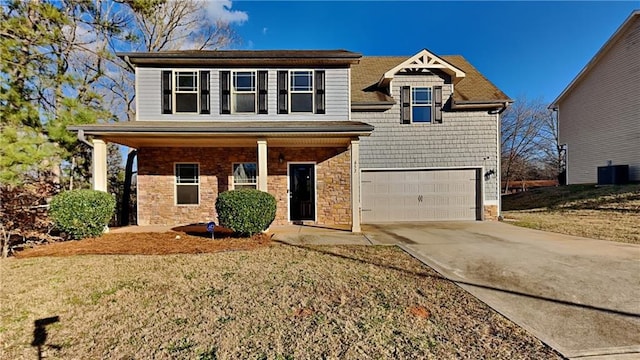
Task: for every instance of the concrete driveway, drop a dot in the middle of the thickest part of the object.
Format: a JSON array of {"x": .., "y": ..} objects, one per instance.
[{"x": 580, "y": 296}]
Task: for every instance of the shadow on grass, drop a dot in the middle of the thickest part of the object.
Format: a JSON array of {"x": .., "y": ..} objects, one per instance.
[
  {"x": 481, "y": 286},
  {"x": 40, "y": 334},
  {"x": 200, "y": 230}
]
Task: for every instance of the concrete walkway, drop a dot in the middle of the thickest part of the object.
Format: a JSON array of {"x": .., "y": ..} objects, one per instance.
[
  {"x": 317, "y": 235},
  {"x": 580, "y": 296}
]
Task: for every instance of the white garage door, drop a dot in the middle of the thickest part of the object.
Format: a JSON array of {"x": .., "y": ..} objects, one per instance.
[{"x": 419, "y": 195}]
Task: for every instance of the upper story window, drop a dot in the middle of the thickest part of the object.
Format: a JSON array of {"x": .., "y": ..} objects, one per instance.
[
  {"x": 421, "y": 104},
  {"x": 301, "y": 91},
  {"x": 244, "y": 92},
  {"x": 301, "y": 85},
  {"x": 185, "y": 91}
]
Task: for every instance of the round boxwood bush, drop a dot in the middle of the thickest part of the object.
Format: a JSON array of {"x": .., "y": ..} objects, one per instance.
[
  {"x": 246, "y": 211},
  {"x": 82, "y": 213}
]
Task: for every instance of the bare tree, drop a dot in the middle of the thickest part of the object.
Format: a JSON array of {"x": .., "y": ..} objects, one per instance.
[
  {"x": 154, "y": 25},
  {"x": 521, "y": 129},
  {"x": 552, "y": 151}
]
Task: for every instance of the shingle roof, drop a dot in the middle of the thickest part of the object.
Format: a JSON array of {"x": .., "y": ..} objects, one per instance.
[
  {"x": 243, "y": 57},
  {"x": 474, "y": 87}
]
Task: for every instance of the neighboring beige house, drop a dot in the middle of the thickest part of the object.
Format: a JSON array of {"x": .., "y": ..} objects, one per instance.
[
  {"x": 599, "y": 112},
  {"x": 337, "y": 138}
]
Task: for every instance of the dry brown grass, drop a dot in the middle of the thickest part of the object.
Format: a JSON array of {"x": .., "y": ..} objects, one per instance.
[
  {"x": 606, "y": 212},
  {"x": 596, "y": 224},
  {"x": 275, "y": 302}
]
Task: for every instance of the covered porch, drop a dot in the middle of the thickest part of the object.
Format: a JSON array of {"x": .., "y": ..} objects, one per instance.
[{"x": 311, "y": 167}]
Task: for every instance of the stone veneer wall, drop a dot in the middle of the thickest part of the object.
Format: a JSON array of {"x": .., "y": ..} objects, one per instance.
[
  {"x": 491, "y": 212},
  {"x": 156, "y": 182}
]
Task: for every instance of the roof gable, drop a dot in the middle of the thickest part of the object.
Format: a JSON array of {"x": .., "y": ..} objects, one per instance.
[
  {"x": 424, "y": 60},
  {"x": 474, "y": 88}
]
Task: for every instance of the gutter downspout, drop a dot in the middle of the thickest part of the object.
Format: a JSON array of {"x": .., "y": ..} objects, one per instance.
[
  {"x": 83, "y": 139},
  {"x": 499, "y": 156}
]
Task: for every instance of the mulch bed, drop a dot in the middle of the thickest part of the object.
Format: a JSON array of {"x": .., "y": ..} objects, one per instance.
[{"x": 148, "y": 244}]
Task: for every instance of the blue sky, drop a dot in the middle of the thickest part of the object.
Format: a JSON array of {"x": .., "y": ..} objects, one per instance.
[{"x": 531, "y": 49}]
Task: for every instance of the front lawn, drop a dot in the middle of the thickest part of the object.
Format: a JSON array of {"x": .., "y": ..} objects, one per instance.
[
  {"x": 274, "y": 302},
  {"x": 607, "y": 212}
]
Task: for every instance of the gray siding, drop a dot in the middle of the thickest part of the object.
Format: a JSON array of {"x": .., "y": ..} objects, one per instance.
[
  {"x": 464, "y": 139},
  {"x": 600, "y": 117},
  {"x": 148, "y": 93}
]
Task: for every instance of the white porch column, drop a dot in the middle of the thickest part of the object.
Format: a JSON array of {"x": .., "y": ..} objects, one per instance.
[
  {"x": 355, "y": 186},
  {"x": 99, "y": 165},
  {"x": 262, "y": 165}
]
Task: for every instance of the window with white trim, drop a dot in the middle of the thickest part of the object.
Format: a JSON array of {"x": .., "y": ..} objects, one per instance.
[
  {"x": 187, "y": 184},
  {"x": 244, "y": 92},
  {"x": 421, "y": 102},
  {"x": 186, "y": 91},
  {"x": 245, "y": 176},
  {"x": 301, "y": 85}
]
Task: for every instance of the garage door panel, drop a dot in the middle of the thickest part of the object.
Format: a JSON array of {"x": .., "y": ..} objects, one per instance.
[{"x": 420, "y": 195}]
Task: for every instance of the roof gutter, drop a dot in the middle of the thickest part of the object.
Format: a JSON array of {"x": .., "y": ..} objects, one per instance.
[
  {"x": 217, "y": 131},
  {"x": 491, "y": 104},
  {"x": 366, "y": 106}
]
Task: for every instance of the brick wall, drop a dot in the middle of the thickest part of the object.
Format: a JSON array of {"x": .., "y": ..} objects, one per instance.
[{"x": 156, "y": 182}]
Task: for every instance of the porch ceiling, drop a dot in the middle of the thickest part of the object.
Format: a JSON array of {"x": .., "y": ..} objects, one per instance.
[{"x": 139, "y": 134}]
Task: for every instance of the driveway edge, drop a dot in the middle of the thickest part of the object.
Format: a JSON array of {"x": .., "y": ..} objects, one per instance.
[{"x": 438, "y": 269}]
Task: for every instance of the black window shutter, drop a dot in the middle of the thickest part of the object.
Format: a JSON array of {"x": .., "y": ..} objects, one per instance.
[
  {"x": 166, "y": 92},
  {"x": 405, "y": 109},
  {"x": 283, "y": 94},
  {"x": 437, "y": 104},
  {"x": 225, "y": 92},
  {"x": 320, "y": 109},
  {"x": 204, "y": 93},
  {"x": 262, "y": 92}
]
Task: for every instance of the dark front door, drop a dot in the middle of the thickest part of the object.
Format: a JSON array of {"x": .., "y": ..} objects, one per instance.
[{"x": 302, "y": 197}]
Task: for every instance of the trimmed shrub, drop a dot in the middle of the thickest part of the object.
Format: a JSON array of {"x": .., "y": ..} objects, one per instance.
[
  {"x": 82, "y": 213},
  {"x": 246, "y": 211}
]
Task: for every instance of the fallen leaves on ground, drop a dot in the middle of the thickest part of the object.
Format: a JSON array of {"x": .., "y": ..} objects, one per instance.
[{"x": 146, "y": 244}]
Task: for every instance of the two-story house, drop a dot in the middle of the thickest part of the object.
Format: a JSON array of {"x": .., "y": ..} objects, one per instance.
[
  {"x": 337, "y": 138},
  {"x": 599, "y": 111}
]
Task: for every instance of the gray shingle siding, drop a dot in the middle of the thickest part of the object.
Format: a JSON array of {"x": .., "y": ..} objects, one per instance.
[
  {"x": 465, "y": 138},
  {"x": 149, "y": 99}
]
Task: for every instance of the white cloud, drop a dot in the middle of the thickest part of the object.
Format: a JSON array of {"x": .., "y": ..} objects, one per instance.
[{"x": 220, "y": 10}]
